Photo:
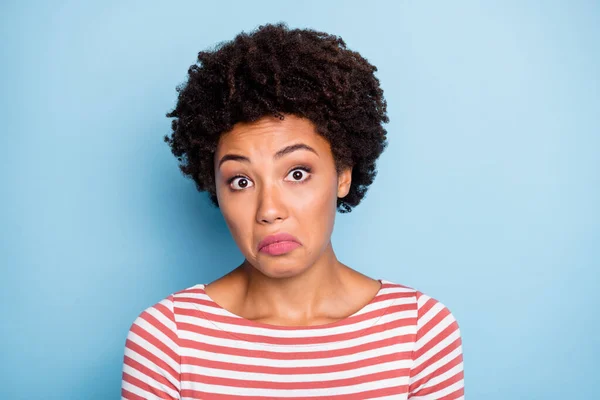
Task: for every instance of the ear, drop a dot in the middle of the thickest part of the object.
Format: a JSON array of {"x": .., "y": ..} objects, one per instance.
[{"x": 344, "y": 182}]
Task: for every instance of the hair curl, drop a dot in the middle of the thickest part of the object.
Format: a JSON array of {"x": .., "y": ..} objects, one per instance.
[{"x": 275, "y": 70}]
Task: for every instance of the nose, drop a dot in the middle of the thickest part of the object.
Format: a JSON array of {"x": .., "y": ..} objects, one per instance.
[{"x": 271, "y": 206}]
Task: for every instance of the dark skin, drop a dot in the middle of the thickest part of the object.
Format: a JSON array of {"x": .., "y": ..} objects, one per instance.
[{"x": 261, "y": 193}]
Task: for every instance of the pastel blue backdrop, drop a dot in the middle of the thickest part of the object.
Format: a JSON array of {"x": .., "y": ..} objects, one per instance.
[{"x": 487, "y": 198}]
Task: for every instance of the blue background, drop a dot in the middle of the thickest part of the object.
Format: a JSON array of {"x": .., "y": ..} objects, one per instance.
[{"x": 487, "y": 198}]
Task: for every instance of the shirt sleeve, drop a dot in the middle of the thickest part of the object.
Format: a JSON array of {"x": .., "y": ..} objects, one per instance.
[
  {"x": 437, "y": 371},
  {"x": 151, "y": 364}
]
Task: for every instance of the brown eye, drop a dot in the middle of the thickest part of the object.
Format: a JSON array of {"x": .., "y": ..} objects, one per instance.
[
  {"x": 299, "y": 174},
  {"x": 240, "y": 183}
]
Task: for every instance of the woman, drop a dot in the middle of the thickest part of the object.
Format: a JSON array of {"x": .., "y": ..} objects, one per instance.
[{"x": 282, "y": 128}]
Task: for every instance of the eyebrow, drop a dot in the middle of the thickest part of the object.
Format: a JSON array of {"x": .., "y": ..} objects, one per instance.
[{"x": 286, "y": 150}]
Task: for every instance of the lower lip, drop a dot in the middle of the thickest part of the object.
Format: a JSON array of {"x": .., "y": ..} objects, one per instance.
[{"x": 276, "y": 249}]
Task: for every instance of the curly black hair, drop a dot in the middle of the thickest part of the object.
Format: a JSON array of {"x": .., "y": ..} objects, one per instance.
[{"x": 275, "y": 70}]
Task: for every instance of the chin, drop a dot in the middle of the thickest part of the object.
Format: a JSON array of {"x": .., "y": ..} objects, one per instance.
[{"x": 277, "y": 268}]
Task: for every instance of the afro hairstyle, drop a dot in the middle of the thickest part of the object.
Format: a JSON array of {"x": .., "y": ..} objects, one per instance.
[{"x": 272, "y": 71}]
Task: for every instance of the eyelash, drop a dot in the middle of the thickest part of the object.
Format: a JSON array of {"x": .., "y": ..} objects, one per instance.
[{"x": 304, "y": 168}]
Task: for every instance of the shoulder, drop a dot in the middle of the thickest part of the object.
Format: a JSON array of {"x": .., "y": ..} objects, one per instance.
[
  {"x": 154, "y": 333},
  {"x": 437, "y": 355},
  {"x": 152, "y": 362},
  {"x": 429, "y": 310},
  {"x": 161, "y": 317},
  {"x": 437, "y": 327},
  {"x": 155, "y": 326}
]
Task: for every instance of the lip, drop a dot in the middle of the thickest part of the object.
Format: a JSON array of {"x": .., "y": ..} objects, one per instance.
[{"x": 279, "y": 237}]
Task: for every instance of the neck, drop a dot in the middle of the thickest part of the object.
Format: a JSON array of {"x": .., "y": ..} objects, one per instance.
[{"x": 310, "y": 297}]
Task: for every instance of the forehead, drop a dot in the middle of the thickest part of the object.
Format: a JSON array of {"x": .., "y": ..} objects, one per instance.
[{"x": 269, "y": 134}]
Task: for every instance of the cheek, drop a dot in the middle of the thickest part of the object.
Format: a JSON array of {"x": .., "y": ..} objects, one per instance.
[
  {"x": 314, "y": 204},
  {"x": 238, "y": 221},
  {"x": 317, "y": 211},
  {"x": 318, "y": 195}
]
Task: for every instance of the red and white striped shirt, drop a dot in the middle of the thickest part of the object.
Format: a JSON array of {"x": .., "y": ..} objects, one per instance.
[{"x": 402, "y": 345}]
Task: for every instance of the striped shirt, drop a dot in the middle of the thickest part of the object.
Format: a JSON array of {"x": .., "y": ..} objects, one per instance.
[{"x": 402, "y": 345}]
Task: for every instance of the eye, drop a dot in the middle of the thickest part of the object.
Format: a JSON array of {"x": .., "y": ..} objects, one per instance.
[
  {"x": 299, "y": 174},
  {"x": 240, "y": 182}
]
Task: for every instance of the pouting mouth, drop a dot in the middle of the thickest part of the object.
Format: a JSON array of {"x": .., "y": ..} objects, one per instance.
[{"x": 275, "y": 238}]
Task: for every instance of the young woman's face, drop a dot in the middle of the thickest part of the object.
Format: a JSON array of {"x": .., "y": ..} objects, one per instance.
[{"x": 278, "y": 176}]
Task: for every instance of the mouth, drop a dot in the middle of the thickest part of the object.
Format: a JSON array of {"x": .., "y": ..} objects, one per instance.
[{"x": 278, "y": 244}]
